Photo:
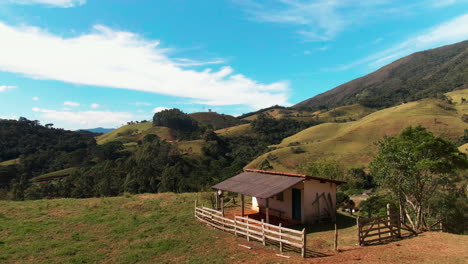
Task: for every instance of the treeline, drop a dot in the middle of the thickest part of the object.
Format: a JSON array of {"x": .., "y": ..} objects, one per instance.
[
  {"x": 40, "y": 149},
  {"x": 153, "y": 166}
]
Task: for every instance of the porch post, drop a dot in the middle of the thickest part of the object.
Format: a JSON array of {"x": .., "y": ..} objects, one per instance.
[
  {"x": 267, "y": 211},
  {"x": 222, "y": 205},
  {"x": 242, "y": 206}
]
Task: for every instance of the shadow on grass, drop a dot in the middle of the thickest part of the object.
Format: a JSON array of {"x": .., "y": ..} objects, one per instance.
[{"x": 342, "y": 221}]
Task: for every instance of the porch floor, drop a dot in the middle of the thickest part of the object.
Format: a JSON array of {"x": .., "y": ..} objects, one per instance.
[{"x": 231, "y": 212}]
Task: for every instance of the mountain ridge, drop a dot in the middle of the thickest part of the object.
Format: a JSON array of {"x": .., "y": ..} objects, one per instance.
[{"x": 419, "y": 75}]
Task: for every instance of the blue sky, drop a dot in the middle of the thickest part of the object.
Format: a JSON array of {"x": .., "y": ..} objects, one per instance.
[{"x": 90, "y": 63}]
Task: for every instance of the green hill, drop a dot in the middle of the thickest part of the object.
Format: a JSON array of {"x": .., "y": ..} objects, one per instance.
[
  {"x": 420, "y": 75},
  {"x": 134, "y": 132},
  {"x": 353, "y": 143}
]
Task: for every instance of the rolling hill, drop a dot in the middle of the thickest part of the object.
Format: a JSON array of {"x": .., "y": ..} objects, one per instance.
[
  {"x": 353, "y": 143},
  {"x": 134, "y": 132},
  {"x": 420, "y": 75}
]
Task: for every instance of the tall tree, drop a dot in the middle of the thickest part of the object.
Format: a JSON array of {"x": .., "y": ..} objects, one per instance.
[{"x": 414, "y": 165}]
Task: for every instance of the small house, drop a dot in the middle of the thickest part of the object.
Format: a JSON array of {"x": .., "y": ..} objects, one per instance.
[{"x": 296, "y": 197}]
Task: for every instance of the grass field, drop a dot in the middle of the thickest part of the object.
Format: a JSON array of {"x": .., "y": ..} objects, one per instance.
[
  {"x": 353, "y": 143},
  {"x": 191, "y": 146},
  {"x": 160, "y": 228},
  {"x": 133, "y": 133}
]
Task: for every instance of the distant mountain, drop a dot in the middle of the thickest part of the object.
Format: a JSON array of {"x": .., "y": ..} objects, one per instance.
[
  {"x": 98, "y": 130},
  {"x": 420, "y": 75}
]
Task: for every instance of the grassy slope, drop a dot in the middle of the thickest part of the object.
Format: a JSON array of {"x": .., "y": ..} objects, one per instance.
[
  {"x": 10, "y": 162},
  {"x": 341, "y": 113},
  {"x": 135, "y": 132},
  {"x": 352, "y": 143},
  {"x": 160, "y": 228},
  {"x": 235, "y": 131},
  {"x": 55, "y": 174},
  {"x": 191, "y": 146}
]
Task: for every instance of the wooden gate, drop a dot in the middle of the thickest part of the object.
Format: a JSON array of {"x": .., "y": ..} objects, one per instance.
[{"x": 378, "y": 229}]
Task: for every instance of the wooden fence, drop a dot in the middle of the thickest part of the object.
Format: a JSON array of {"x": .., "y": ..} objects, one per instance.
[{"x": 253, "y": 229}]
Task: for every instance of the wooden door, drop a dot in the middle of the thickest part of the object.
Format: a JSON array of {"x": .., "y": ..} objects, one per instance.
[{"x": 296, "y": 204}]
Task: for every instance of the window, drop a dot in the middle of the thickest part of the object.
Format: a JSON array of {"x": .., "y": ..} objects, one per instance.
[{"x": 279, "y": 196}]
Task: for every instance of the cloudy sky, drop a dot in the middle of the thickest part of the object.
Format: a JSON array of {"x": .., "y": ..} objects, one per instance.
[{"x": 90, "y": 63}]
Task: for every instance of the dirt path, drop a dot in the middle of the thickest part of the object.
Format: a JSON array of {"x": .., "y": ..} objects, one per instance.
[{"x": 429, "y": 247}]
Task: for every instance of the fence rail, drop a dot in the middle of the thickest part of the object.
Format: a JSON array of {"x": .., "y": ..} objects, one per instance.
[{"x": 253, "y": 229}]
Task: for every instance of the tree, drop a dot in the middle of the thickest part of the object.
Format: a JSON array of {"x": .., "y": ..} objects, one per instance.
[
  {"x": 415, "y": 165},
  {"x": 329, "y": 169},
  {"x": 175, "y": 119}
]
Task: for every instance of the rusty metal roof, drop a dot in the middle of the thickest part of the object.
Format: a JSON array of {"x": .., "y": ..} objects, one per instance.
[{"x": 258, "y": 184}]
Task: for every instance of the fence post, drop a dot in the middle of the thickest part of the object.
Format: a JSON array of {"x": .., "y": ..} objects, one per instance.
[
  {"x": 336, "y": 237},
  {"x": 248, "y": 235},
  {"x": 389, "y": 213},
  {"x": 196, "y": 203},
  {"x": 358, "y": 231},
  {"x": 235, "y": 226},
  {"x": 281, "y": 238},
  {"x": 399, "y": 226},
  {"x": 304, "y": 242},
  {"x": 263, "y": 234}
]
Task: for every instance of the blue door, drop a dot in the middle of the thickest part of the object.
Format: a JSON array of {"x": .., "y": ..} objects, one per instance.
[{"x": 296, "y": 204}]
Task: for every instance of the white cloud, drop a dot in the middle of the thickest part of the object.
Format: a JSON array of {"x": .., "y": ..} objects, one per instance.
[
  {"x": 70, "y": 103},
  {"x": 318, "y": 20},
  {"x": 54, "y": 3},
  {"x": 84, "y": 119},
  {"x": 94, "y": 106},
  {"x": 142, "y": 103},
  {"x": 3, "y": 88},
  {"x": 159, "y": 109},
  {"x": 35, "y": 98},
  {"x": 449, "y": 32},
  {"x": 124, "y": 60}
]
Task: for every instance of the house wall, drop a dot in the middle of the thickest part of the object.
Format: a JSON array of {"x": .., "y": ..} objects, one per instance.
[
  {"x": 309, "y": 190},
  {"x": 312, "y": 188},
  {"x": 285, "y": 206}
]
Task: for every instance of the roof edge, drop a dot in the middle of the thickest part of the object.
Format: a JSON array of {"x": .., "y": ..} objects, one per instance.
[{"x": 296, "y": 175}]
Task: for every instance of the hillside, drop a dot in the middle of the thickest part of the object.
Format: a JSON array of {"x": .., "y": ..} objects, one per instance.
[
  {"x": 420, "y": 75},
  {"x": 353, "y": 143},
  {"x": 214, "y": 120},
  {"x": 338, "y": 114},
  {"x": 161, "y": 228},
  {"x": 134, "y": 132}
]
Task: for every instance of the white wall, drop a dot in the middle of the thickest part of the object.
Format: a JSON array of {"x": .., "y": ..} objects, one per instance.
[
  {"x": 284, "y": 206},
  {"x": 312, "y": 188},
  {"x": 309, "y": 190}
]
